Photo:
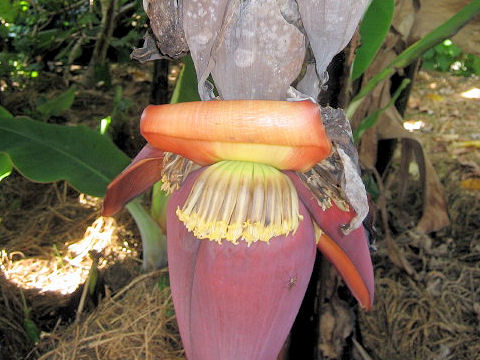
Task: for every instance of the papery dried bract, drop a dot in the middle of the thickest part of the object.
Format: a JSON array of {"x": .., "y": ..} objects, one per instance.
[
  {"x": 248, "y": 46},
  {"x": 259, "y": 46},
  {"x": 330, "y": 25},
  {"x": 202, "y": 21},
  {"x": 254, "y": 49},
  {"x": 166, "y": 23}
]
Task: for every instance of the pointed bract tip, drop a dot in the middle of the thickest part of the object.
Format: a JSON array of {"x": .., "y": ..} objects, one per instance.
[{"x": 144, "y": 171}]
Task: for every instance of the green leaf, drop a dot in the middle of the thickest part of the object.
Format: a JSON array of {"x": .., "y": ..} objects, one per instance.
[
  {"x": 31, "y": 329},
  {"x": 454, "y": 51},
  {"x": 5, "y": 162},
  {"x": 105, "y": 124},
  {"x": 443, "y": 62},
  {"x": 87, "y": 18},
  {"x": 56, "y": 105},
  {"x": 163, "y": 282},
  {"x": 48, "y": 152},
  {"x": 154, "y": 241},
  {"x": 428, "y": 65},
  {"x": 93, "y": 278},
  {"x": 5, "y": 166},
  {"x": 373, "y": 30},
  {"x": 44, "y": 39},
  {"x": 8, "y": 11},
  {"x": 186, "y": 87},
  {"x": 474, "y": 64},
  {"x": 5, "y": 113},
  {"x": 371, "y": 187},
  {"x": 120, "y": 104},
  {"x": 158, "y": 209},
  {"x": 430, "y": 54}
]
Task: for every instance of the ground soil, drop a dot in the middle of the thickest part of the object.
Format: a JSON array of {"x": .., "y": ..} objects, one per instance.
[
  {"x": 51, "y": 237},
  {"x": 433, "y": 313}
]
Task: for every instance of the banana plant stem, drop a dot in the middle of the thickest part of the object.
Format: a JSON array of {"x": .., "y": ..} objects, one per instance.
[{"x": 154, "y": 242}]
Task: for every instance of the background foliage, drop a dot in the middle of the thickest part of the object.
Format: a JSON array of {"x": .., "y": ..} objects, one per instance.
[
  {"x": 49, "y": 34},
  {"x": 449, "y": 57}
]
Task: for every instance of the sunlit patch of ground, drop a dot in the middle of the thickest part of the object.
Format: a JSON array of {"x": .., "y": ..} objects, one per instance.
[
  {"x": 64, "y": 272},
  {"x": 473, "y": 93},
  {"x": 50, "y": 236}
]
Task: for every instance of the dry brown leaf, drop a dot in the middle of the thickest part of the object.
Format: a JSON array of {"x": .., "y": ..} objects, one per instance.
[
  {"x": 336, "y": 324},
  {"x": 413, "y": 102},
  {"x": 447, "y": 137},
  {"x": 404, "y": 18},
  {"x": 435, "y": 97},
  {"x": 471, "y": 184},
  {"x": 389, "y": 126},
  {"x": 435, "y": 214},
  {"x": 468, "y": 144},
  {"x": 472, "y": 166}
]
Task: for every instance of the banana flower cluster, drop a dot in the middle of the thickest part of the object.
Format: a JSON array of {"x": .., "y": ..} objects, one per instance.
[
  {"x": 243, "y": 225},
  {"x": 251, "y": 192}
]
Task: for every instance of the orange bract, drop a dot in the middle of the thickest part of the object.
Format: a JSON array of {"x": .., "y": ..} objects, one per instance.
[
  {"x": 286, "y": 135},
  {"x": 347, "y": 270}
]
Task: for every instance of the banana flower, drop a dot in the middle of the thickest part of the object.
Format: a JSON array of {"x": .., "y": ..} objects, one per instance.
[{"x": 242, "y": 224}]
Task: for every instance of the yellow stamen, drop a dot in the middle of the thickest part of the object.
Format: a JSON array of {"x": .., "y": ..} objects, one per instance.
[
  {"x": 237, "y": 200},
  {"x": 175, "y": 170}
]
